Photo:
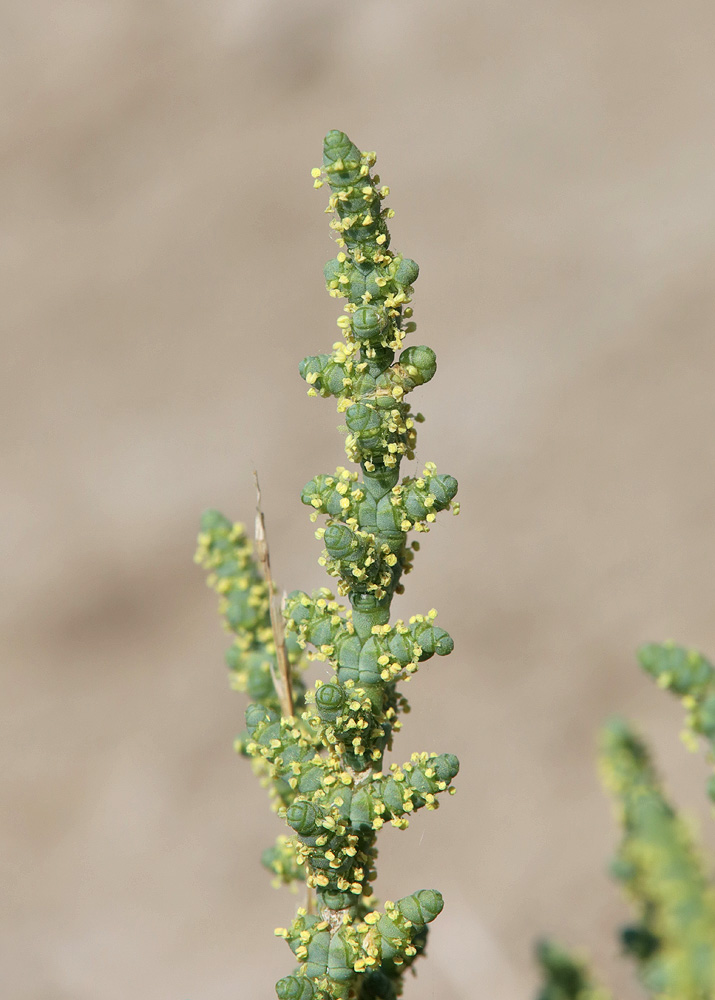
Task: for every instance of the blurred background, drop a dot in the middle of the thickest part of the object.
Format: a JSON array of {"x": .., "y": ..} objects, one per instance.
[{"x": 552, "y": 168}]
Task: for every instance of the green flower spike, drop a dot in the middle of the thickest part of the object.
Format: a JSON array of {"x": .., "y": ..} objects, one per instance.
[
  {"x": 323, "y": 761},
  {"x": 672, "y": 938}
]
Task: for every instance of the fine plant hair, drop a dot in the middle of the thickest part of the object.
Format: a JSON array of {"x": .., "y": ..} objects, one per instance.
[
  {"x": 319, "y": 750},
  {"x": 671, "y": 939}
]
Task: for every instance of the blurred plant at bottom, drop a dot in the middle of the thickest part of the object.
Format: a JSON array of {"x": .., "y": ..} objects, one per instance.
[{"x": 671, "y": 939}]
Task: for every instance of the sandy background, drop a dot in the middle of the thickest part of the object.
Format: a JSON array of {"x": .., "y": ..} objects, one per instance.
[{"x": 552, "y": 167}]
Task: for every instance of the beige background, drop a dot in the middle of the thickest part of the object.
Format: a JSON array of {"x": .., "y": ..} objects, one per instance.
[{"x": 552, "y": 167}]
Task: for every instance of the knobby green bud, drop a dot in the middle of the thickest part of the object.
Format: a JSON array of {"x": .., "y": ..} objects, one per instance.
[{"x": 293, "y": 988}]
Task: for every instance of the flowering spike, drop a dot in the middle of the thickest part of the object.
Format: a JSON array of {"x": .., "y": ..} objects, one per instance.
[
  {"x": 672, "y": 937},
  {"x": 324, "y": 763}
]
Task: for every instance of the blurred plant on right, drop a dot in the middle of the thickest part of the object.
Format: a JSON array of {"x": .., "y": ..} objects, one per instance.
[{"x": 672, "y": 937}]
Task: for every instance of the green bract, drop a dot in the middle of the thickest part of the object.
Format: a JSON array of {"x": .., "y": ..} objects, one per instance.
[{"x": 323, "y": 759}]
